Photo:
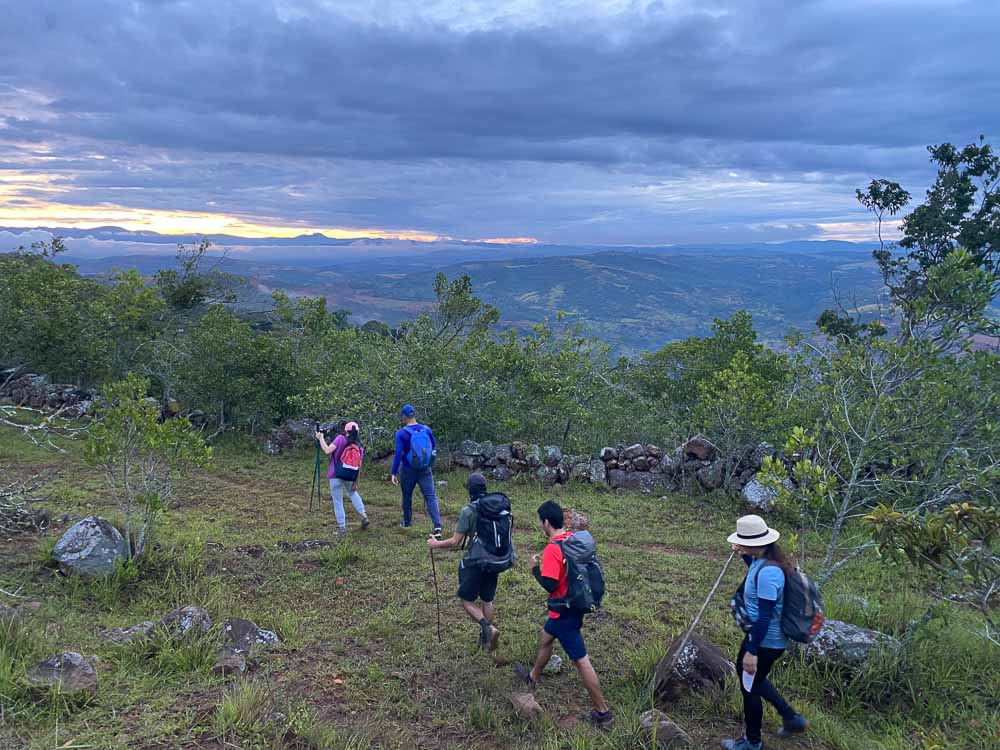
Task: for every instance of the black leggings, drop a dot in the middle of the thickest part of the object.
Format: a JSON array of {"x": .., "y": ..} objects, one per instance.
[{"x": 753, "y": 708}]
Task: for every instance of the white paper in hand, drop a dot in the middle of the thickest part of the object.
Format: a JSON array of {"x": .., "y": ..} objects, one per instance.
[{"x": 748, "y": 681}]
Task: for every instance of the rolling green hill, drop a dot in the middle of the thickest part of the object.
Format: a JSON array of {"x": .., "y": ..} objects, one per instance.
[
  {"x": 634, "y": 299},
  {"x": 639, "y": 301}
]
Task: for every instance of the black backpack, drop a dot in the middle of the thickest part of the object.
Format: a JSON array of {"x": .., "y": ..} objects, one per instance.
[
  {"x": 801, "y": 609},
  {"x": 585, "y": 578},
  {"x": 492, "y": 548}
]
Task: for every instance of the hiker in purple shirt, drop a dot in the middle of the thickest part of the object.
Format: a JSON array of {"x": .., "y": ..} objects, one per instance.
[
  {"x": 411, "y": 466},
  {"x": 346, "y": 454}
]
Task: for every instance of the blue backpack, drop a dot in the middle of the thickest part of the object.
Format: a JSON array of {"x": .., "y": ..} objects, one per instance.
[{"x": 421, "y": 453}]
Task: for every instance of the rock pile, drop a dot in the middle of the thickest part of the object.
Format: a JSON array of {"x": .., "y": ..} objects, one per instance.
[{"x": 36, "y": 392}]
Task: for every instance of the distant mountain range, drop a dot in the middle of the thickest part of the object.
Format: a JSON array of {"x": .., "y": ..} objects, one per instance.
[{"x": 635, "y": 298}]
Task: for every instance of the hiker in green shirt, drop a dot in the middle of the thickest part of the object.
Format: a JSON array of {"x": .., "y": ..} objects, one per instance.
[{"x": 486, "y": 522}]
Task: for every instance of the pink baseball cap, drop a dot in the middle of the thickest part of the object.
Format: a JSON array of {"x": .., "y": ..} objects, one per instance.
[{"x": 351, "y": 426}]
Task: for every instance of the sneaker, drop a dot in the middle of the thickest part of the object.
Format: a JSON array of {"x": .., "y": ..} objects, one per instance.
[
  {"x": 523, "y": 675},
  {"x": 364, "y": 523},
  {"x": 484, "y": 634},
  {"x": 437, "y": 532},
  {"x": 601, "y": 719},
  {"x": 796, "y": 725},
  {"x": 404, "y": 525},
  {"x": 742, "y": 744},
  {"x": 492, "y": 639},
  {"x": 341, "y": 531}
]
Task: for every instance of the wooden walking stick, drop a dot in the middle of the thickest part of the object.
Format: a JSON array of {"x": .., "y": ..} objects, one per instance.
[
  {"x": 437, "y": 598},
  {"x": 664, "y": 673}
]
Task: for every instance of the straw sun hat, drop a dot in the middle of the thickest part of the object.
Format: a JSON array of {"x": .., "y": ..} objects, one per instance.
[{"x": 752, "y": 531}]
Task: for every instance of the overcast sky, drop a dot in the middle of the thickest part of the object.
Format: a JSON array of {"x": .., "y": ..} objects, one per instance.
[{"x": 570, "y": 121}]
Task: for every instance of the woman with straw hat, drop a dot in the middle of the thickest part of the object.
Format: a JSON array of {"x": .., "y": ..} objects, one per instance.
[{"x": 760, "y": 618}]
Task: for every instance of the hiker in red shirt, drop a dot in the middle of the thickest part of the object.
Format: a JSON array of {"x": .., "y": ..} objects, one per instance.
[{"x": 563, "y": 624}]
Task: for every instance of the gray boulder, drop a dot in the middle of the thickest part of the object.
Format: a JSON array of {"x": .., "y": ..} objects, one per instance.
[
  {"x": 554, "y": 665},
  {"x": 644, "y": 481},
  {"x": 847, "y": 646},
  {"x": 534, "y": 456},
  {"x": 701, "y": 666},
  {"x": 596, "y": 472},
  {"x": 227, "y": 664},
  {"x": 759, "y": 497},
  {"x": 69, "y": 671},
  {"x": 634, "y": 451},
  {"x": 700, "y": 448},
  {"x": 467, "y": 461},
  {"x": 306, "y": 545},
  {"x": 670, "y": 465},
  {"x": 503, "y": 454},
  {"x": 121, "y": 636},
  {"x": 469, "y": 448},
  {"x": 240, "y": 636},
  {"x": 712, "y": 476},
  {"x": 667, "y": 733},
  {"x": 90, "y": 547},
  {"x": 608, "y": 453},
  {"x": 184, "y": 620},
  {"x": 502, "y": 473},
  {"x": 547, "y": 475},
  {"x": 761, "y": 452},
  {"x": 551, "y": 455},
  {"x": 641, "y": 463}
]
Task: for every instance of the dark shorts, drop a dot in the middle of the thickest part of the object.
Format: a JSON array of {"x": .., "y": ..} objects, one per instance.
[
  {"x": 475, "y": 583},
  {"x": 566, "y": 630}
]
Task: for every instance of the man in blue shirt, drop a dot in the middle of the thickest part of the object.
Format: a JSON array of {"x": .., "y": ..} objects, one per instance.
[{"x": 411, "y": 466}]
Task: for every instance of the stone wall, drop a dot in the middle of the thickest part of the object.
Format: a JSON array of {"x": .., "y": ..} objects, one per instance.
[
  {"x": 36, "y": 392},
  {"x": 548, "y": 464},
  {"x": 695, "y": 465}
]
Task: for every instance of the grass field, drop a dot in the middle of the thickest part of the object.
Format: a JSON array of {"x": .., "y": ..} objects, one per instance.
[{"x": 360, "y": 665}]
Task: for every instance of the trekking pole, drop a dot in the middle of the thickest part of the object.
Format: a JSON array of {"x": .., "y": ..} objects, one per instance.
[
  {"x": 687, "y": 634},
  {"x": 317, "y": 484},
  {"x": 437, "y": 598}
]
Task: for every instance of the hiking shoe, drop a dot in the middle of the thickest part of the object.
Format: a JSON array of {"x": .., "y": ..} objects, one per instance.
[
  {"x": 341, "y": 531},
  {"x": 601, "y": 719},
  {"x": 523, "y": 675},
  {"x": 742, "y": 744},
  {"x": 484, "y": 634},
  {"x": 404, "y": 525},
  {"x": 492, "y": 639},
  {"x": 796, "y": 725},
  {"x": 364, "y": 523}
]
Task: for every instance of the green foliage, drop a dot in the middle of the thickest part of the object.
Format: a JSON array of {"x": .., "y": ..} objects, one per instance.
[
  {"x": 192, "y": 286},
  {"x": 727, "y": 382},
  {"x": 140, "y": 455},
  {"x": 961, "y": 213},
  {"x": 230, "y": 371},
  {"x": 958, "y": 543},
  {"x": 68, "y": 327}
]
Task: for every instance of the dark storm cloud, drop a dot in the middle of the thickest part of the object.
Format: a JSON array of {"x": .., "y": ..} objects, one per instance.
[{"x": 558, "y": 123}]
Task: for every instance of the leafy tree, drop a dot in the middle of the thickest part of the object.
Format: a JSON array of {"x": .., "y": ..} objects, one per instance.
[
  {"x": 682, "y": 377},
  {"x": 961, "y": 212},
  {"x": 194, "y": 286},
  {"x": 738, "y": 406},
  {"x": 228, "y": 370},
  {"x": 141, "y": 456},
  {"x": 45, "y": 318}
]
